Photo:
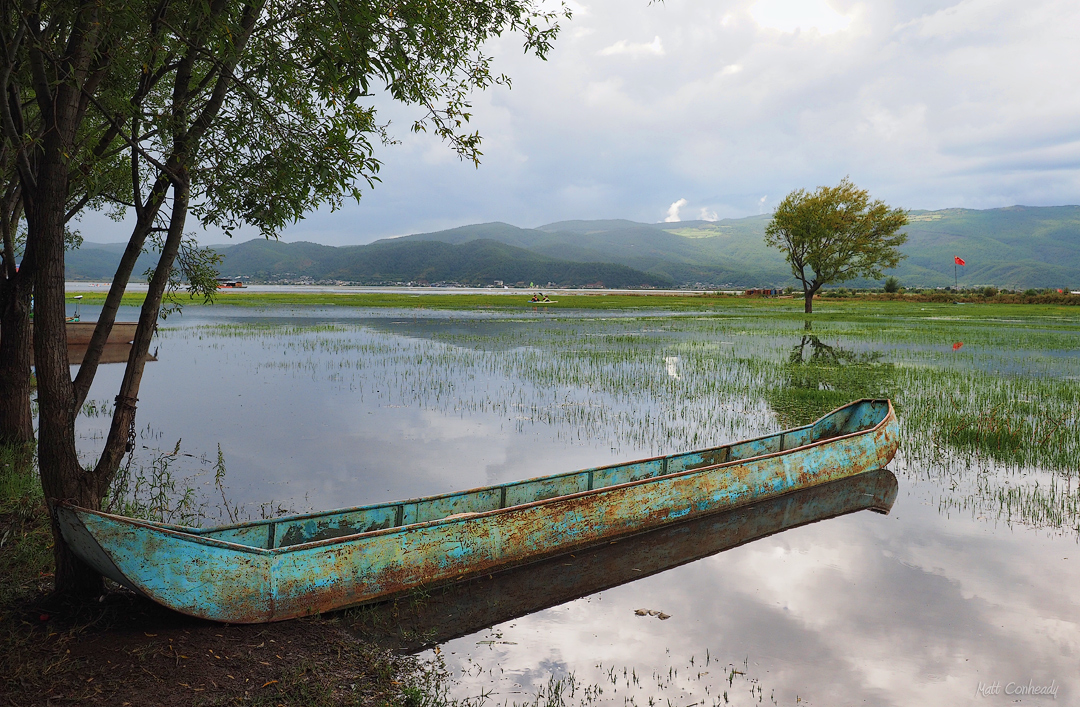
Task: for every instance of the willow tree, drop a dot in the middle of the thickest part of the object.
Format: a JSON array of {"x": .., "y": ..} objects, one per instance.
[
  {"x": 835, "y": 234},
  {"x": 234, "y": 112}
]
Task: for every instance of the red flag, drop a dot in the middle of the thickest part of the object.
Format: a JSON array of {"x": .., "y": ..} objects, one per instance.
[{"x": 959, "y": 260}]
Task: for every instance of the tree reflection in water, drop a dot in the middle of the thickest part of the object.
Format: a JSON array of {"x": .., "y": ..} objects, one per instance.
[{"x": 819, "y": 378}]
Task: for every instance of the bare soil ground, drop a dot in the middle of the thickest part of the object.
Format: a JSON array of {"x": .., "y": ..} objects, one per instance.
[{"x": 128, "y": 651}]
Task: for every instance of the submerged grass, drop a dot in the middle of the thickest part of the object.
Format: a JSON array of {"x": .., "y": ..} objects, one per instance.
[
  {"x": 986, "y": 397},
  {"x": 699, "y": 680},
  {"x": 600, "y": 300}
]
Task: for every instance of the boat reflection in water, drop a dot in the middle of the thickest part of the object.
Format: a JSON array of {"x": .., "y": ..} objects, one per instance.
[{"x": 424, "y": 618}]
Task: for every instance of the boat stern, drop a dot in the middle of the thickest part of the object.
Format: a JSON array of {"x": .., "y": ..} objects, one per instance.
[{"x": 190, "y": 574}]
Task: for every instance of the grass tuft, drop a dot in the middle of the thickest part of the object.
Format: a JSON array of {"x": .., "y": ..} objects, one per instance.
[{"x": 25, "y": 537}]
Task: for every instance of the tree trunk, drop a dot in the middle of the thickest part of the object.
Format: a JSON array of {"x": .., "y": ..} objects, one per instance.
[
  {"x": 808, "y": 300},
  {"x": 62, "y": 476},
  {"x": 16, "y": 420},
  {"x": 124, "y": 414},
  {"x": 107, "y": 316}
]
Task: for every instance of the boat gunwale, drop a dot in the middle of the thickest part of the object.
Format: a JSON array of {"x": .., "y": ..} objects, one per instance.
[
  {"x": 449, "y": 494},
  {"x": 181, "y": 532}
]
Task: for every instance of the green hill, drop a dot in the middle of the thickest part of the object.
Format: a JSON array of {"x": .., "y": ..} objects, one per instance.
[
  {"x": 641, "y": 246},
  {"x": 474, "y": 262},
  {"x": 98, "y": 261},
  {"x": 1016, "y": 247}
]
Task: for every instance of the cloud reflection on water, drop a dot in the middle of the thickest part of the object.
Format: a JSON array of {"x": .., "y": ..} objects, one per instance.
[
  {"x": 916, "y": 608},
  {"x": 836, "y": 613}
]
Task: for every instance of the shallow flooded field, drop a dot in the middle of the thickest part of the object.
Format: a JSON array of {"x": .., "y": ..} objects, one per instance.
[{"x": 969, "y": 582}]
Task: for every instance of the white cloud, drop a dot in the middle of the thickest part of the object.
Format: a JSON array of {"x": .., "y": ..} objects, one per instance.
[
  {"x": 673, "y": 211},
  {"x": 795, "y": 15},
  {"x": 761, "y": 203},
  {"x": 928, "y": 105},
  {"x": 708, "y": 215},
  {"x": 967, "y": 17},
  {"x": 622, "y": 46}
]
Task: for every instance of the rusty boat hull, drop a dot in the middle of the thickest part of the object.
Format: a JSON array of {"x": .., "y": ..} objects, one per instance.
[{"x": 300, "y": 565}]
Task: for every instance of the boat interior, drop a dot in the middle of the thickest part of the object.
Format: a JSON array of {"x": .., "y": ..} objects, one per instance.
[{"x": 294, "y": 530}]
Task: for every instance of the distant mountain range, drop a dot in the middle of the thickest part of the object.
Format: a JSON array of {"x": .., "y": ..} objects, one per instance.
[{"x": 1015, "y": 247}]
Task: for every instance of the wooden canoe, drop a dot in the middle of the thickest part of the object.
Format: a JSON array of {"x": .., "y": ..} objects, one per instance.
[
  {"x": 79, "y": 333},
  {"x": 110, "y": 353},
  {"x": 294, "y": 566}
]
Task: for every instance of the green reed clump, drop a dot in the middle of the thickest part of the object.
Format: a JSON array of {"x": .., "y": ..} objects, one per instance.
[
  {"x": 1000, "y": 434},
  {"x": 1052, "y": 505},
  {"x": 25, "y": 537},
  {"x": 1013, "y": 420},
  {"x": 152, "y": 492}
]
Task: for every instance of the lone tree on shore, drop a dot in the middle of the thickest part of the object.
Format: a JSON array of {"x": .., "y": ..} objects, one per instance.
[{"x": 835, "y": 234}]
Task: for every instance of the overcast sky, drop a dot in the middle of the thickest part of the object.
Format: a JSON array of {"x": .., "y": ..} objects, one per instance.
[{"x": 711, "y": 109}]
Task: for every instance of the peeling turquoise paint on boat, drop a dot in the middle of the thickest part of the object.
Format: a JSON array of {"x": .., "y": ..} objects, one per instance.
[{"x": 284, "y": 568}]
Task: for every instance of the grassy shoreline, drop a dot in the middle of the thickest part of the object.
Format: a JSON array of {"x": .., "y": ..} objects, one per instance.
[
  {"x": 123, "y": 649},
  {"x": 591, "y": 300}
]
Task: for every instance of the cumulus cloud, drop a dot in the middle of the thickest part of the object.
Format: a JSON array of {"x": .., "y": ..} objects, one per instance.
[
  {"x": 673, "y": 211},
  {"x": 708, "y": 215},
  {"x": 761, "y": 204},
  {"x": 935, "y": 104},
  {"x": 655, "y": 47}
]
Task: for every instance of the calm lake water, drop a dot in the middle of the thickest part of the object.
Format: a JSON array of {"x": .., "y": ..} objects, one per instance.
[{"x": 964, "y": 592}]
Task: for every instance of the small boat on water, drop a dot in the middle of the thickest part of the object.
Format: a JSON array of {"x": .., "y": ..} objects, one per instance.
[
  {"x": 110, "y": 353},
  {"x": 79, "y": 333},
  {"x": 283, "y": 568}
]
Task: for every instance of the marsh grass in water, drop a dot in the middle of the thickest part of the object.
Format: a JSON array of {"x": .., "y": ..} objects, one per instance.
[
  {"x": 985, "y": 396},
  {"x": 700, "y": 680},
  {"x": 819, "y": 378}
]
